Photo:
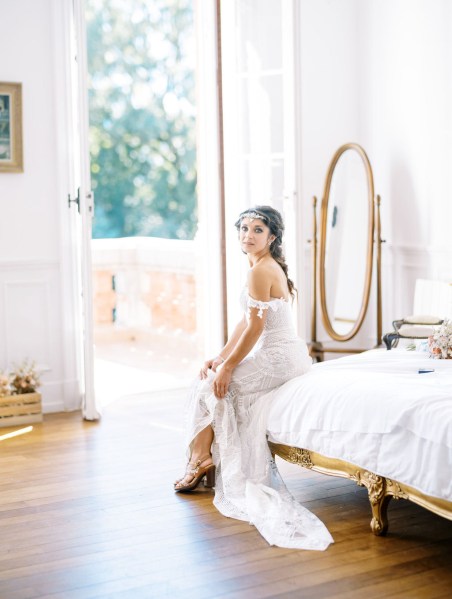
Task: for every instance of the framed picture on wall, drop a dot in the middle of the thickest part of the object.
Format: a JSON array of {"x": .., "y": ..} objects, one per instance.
[{"x": 11, "y": 157}]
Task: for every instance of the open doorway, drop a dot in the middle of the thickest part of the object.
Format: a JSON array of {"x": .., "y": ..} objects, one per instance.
[{"x": 141, "y": 68}]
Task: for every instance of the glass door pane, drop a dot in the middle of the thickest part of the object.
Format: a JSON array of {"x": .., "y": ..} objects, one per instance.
[{"x": 257, "y": 59}]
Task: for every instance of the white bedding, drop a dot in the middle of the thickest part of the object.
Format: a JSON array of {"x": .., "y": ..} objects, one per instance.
[{"x": 377, "y": 411}]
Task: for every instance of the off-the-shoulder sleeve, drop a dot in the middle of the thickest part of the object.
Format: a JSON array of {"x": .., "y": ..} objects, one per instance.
[{"x": 252, "y": 303}]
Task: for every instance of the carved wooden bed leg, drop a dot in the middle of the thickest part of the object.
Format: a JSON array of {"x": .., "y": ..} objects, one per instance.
[
  {"x": 379, "y": 522},
  {"x": 379, "y": 501}
]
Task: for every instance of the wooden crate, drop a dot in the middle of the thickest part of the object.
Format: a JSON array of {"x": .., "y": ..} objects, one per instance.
[{"x": 20, "y": 409}]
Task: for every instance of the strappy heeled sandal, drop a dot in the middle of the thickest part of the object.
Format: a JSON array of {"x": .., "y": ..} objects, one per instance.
[
  {"x": 188, "y": 470},
  {"x": 198, "y": 472}
]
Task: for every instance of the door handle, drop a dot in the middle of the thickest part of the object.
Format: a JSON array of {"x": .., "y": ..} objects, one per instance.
[{"x": 76, "y": 200}]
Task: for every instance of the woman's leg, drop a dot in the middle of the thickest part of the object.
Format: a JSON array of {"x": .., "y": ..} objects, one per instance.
[
  {"x": 202, "y": 444},
  {"x": 200, "y": 451}
]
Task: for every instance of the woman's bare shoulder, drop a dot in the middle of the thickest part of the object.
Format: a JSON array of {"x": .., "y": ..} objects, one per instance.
[
  {"x": 260, "y": 281},
  {"x": 270, "y": 278}
]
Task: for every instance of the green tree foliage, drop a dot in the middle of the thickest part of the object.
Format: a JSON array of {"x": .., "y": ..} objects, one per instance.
[{"x": 142, "y": 117}]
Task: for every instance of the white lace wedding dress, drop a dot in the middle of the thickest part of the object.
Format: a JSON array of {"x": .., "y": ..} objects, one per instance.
[{"x": 248, "y": 485}]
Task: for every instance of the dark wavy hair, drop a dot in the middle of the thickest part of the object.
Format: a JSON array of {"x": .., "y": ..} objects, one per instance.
[{"x": 273, "y": 219}]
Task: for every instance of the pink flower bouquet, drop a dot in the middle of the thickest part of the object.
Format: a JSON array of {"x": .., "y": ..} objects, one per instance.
[{"x": 440, "y": 343}]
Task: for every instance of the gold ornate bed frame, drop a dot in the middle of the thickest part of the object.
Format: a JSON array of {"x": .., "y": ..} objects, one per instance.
[{"x": 380, "y": 489}]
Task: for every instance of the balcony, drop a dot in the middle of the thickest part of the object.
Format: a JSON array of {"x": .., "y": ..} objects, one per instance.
[{"x": 146, "y": 315}]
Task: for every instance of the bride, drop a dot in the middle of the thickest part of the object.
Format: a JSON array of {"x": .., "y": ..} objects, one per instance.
[{"x": 228, "y": 405}]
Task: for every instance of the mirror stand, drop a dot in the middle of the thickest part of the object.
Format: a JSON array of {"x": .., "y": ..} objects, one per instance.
[{"x": 330, "y": 212}]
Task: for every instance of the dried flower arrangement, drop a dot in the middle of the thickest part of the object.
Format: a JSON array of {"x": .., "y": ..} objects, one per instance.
[
  {"x": 22, "y": 379},
  {"x": 5, "y": 386},
  {"x": 19, "y": 401},
  {"x": 440, "y": 343}
]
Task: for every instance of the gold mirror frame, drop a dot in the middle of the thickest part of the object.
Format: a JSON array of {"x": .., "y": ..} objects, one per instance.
[
  {"x": 370, "y": 242},
  {"x": 373, "y": 236}
]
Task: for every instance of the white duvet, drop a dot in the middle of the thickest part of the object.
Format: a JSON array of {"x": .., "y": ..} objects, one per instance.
[{"x": 377, "y": 411}]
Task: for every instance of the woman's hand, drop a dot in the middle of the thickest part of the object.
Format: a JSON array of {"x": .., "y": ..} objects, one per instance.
[
  {"x": 221, "y": 382},
  {"x": 210, "y": 365}
]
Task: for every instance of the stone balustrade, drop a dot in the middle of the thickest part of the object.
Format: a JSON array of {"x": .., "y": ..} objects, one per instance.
[{"x": 143, "y": 285}]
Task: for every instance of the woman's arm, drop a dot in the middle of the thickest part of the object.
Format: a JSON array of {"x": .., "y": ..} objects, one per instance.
[
  {"x": 232, "y": 341},
  {"x": 259, "y": 286},
  {"x": 225, "y": 352}
]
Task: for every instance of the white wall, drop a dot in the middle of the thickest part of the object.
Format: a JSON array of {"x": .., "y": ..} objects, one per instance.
[
  {"x": 380, "y": 73},
  {"x": 330, "y": 110},
  {"x": 33, "y": 323},
  {"x": 329, "y": 82},
  {"x": 407, "y": 53}
]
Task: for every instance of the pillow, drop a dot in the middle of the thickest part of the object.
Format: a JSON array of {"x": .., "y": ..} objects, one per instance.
[
  {"x": 422, "y": 319},
  {"x": 419, "y": 331}
]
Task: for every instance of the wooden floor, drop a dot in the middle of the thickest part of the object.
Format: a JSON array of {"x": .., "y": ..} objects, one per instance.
[{"x": 87, "y": 510}]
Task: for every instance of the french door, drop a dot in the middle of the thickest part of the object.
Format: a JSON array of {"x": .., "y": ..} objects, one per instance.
[{"x": 258, "y": 54}]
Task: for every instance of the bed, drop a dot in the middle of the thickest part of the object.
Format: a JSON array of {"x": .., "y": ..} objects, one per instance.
[{"x": 382, "y": 419}]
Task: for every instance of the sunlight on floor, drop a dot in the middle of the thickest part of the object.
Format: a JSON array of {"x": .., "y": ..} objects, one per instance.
[
  {"x": 16, "y": 433},
  {"x": 131, "y": 368}
]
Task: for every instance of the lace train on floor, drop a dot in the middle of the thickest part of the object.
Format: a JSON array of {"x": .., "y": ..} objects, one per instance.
[{"x": 248, "y": 484}]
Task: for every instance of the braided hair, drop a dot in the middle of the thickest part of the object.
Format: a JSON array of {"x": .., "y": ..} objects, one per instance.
[{"x": 273, "y": 219}]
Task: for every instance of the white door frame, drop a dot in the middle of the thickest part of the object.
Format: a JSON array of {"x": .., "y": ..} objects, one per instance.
[
  {"x": 89, "y": 407},
  {"x": 73, "y": 175}
]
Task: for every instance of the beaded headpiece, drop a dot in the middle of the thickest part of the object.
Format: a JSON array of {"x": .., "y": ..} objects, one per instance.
[{"x": 252, "y": 215}]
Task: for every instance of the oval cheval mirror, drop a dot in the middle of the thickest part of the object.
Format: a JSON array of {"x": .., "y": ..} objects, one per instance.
[{"x": 343, "y": 253}]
